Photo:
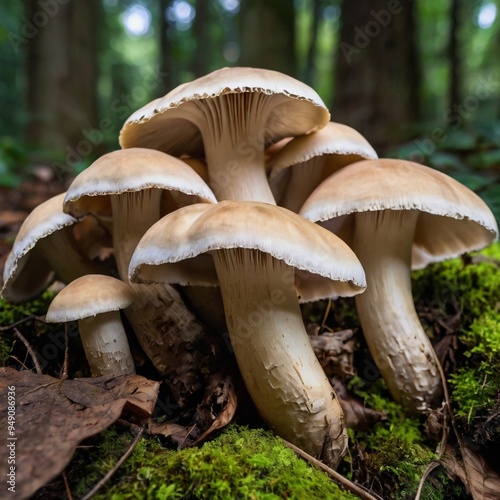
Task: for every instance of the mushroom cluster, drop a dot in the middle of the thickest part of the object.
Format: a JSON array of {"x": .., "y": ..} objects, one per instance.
[{"x": 238, "y": 181}]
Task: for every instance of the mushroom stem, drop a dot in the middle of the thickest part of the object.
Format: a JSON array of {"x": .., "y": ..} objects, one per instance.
[
  {"x": 133, "y": 214},
  {"x": 235, "y": 154},
  {"x": 105, "y": 344},
  {"x": 304, "y": 179},
  {"x": 279, "y": 367},
  {"x": 61, "y": 252},
  {"x": 399, "y": 345}
]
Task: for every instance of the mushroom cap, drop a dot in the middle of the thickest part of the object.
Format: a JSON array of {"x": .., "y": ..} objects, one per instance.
[
  {"x": 342, "y": 144},
  {"x": 26, "y": 273},
  {"x": 88, "y": 296},
  {"x": 131, "y": 170},
  {"x": 191, "y": 232},
  {"x": 167, "y": 123},
  {"x": 452, "y": 219}
]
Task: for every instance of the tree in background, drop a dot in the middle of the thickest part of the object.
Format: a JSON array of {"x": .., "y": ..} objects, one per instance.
[
  {"x": 268, "y": 35},
  {"x": 62, "y": 72},
  {"x": 377, "y": 74}
]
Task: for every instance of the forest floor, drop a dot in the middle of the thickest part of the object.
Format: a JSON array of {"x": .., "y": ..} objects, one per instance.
[{"x": 389, "y": 453}]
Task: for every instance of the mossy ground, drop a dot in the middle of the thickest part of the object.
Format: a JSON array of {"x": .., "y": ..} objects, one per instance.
[
  {"x": 240, "y": 463},
  {"x": 457, "y": 300}
]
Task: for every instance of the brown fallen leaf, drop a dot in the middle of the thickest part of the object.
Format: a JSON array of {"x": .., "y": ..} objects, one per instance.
[
  {"x": 357, "y": 415},
  {"x": 53, "y": 416},
  {"x": 335, "y": 352}
]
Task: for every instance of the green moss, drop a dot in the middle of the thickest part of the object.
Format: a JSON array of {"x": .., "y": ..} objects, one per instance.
[
  {"x": 395, "y": 452},
  {"x": 465, "y": 294},
  {"x": 240, "y": 463},
  {"x": 476, "y": 384}
]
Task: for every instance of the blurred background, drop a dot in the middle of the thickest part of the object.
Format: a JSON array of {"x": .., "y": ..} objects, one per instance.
[{"x": 420, "y": 79}]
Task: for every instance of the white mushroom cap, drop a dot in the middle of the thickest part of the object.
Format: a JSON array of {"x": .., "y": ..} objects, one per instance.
[
  {"x": 89, "y": 296},
  {"x": 26, "y": 273},
  {"x": 297, "y": 109},
  {"x": 131, "y": 170},
  {"x": 305, "y": 161},
  {"x": 342, "y": 144},
  {"x": 197, "y": 229},
  {"x": 452, "y": 218}
]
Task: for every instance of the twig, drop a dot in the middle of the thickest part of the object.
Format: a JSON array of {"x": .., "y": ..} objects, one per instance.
[
  {"x": 64, "y": 374},
  {"x": 31, "y": 317},
  {"x": 29, "y": 349},
  {"x": 327, "y": 312},
  {"x": 66, "y": 483},
  {"x": 349, "y": 485},
  {"x": 118, "y": 464}
]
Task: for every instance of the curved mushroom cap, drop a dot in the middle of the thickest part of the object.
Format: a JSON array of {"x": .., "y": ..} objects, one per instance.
[
  {"x": 26, "y": 273},
  {"x": 342, "y": 144},
  {"x": 193, "y": 231},
  {"x": 131, "y": 170},
  {"x": 88, "y": 296},
  {"x": 452, "y": 220},
  {"x": 294, "y": 109}
]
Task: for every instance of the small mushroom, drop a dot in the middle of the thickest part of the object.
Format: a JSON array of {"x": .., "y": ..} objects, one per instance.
[
  {"x": 229, "y": 116},
  {"x": 95, "y": 301},
  {"x": 396, "y": 215},
  {"x": 44, "y": 248},
  {"x": 255, "y": 263},
  {"x": 307, "y": 160}
]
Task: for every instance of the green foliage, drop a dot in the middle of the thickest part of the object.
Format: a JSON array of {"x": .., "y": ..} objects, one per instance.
[
  {"x": 10, "y": 313},
  {"x": 240, "y": 463}
]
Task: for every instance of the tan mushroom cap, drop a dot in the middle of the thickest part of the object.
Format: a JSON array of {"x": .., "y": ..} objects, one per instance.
[
  {"x": 342, "y": 144},
  {"x": 166, "y": 123},
  {"x": 131, "y": 170},
  {"x": 192, "y": 231},
  {"x": 88, "y": 296},
  {"x": 26, "y": 273},
  {"x": 452, "y": 220}
]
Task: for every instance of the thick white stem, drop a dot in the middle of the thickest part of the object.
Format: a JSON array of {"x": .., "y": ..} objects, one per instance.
[
  {"x": 106, "y": 346},
  {"x": 400, "y": 347},
  {"x": 61, "y": 252},
  {"x": 133, "y": 214},
  {"x": 234, "y": 132},
  {"x": 279, "y": 367}
]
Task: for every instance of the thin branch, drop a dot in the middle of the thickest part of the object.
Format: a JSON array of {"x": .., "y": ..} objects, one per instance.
[
  {"x": 66, "y": 483},
  {"x": 20, "y": 336},
  {"x": 118, "y": 464},
  {"x": 31, "y": 317},
  {"x": 64, "y": 374},
  {"x": 349, "y": 485}
]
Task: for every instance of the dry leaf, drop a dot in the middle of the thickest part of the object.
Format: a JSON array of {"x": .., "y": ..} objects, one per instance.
[{"x": 53, "y": 416}]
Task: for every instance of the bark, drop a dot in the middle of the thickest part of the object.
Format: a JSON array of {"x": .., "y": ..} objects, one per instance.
[
  {"x": 268, "y": 35},
  {"x": 62, "y": 72},
  {"x": 376, "y": 77},
  {"x": 453, "y": 55}
]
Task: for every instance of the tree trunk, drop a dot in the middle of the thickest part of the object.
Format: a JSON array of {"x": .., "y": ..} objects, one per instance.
[
  {"x": 62, "y": 73},
  {"x": 377, "y": 78},
  {"x": 453, "y": 55},
  {"x": 309, "y": 72},
  {"x": 268, "y": 35}
]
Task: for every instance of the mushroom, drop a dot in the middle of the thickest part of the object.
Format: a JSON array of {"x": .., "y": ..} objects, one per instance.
[
  {"x": 229, "y": 116},
  {"x": 44, "y": 247},
  {"x": 396, "y": 215},
  {"x": 128, "y": 185},
  {"x": 307, "y": 160},
  {"x": 95, "y": 301},
  {"x": 256, "y": 247}
]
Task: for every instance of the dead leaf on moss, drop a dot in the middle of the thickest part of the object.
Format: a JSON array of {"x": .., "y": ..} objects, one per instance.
[{"x": 53, "y": 416}]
